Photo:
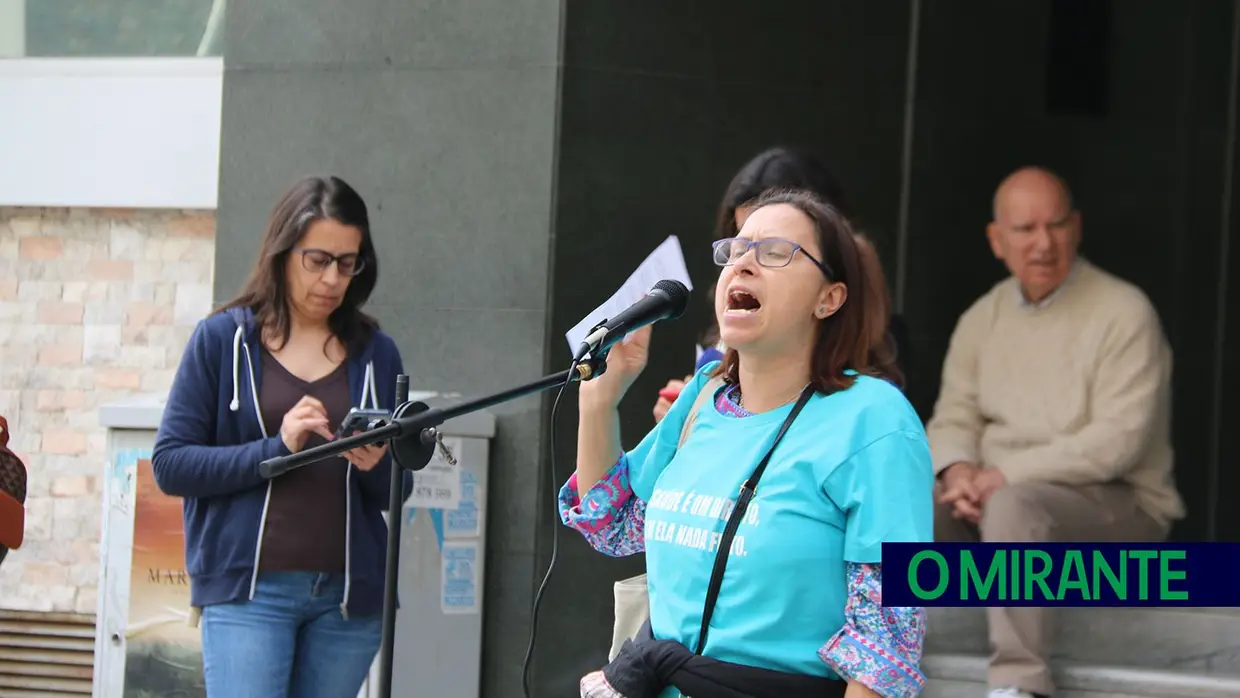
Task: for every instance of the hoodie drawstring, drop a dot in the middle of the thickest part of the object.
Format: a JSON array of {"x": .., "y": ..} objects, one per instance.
[
  {"x": 236, "y": 401},
  {"x": 368, "y": 381},
  {"x": 368, "y": 387},
  {"x": 368, "y": 390}
]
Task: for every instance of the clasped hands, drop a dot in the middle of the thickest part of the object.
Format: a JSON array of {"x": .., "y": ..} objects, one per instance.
[
  {"x": 966, "y": 488},
  {"x": 309, "y": 416}
]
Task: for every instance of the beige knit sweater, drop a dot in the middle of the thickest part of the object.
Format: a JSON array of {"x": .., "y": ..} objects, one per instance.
[{"x": 1075, "y": 391}]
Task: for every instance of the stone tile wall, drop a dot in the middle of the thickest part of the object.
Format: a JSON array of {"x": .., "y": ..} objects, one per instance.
[{"x": 95, "y": 305}]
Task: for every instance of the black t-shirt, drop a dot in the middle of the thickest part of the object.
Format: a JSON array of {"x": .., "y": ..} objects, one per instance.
[{"x": 305, "y": 529}]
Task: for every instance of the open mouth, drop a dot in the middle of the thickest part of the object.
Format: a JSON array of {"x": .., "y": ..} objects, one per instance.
[{"x": 742, "y": 302}]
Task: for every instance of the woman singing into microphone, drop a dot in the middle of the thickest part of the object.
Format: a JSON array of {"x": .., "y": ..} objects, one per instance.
[{"x": 798, "y": 410}]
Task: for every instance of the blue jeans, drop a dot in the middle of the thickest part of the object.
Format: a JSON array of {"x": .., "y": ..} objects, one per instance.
[{"x": 291, "y": 641}]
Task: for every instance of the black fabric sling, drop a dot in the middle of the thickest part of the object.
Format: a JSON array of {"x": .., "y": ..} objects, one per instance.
[
  {"x": 747, "y": 491},
  {"x": 645, "y": 666}
]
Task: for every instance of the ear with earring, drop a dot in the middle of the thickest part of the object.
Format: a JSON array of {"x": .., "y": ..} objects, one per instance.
[{"x": 822, "y": 312}]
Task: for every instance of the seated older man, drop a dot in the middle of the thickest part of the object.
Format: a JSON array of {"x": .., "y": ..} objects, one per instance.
[{"x": 1053, "y": 420}]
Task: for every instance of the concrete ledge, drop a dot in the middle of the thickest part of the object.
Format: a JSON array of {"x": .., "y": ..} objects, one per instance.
[
  {"x": 1093, "y": 680},
  {"x": 138, "y": 412},
  {"x": 1193, "y": 640},
  {"x": 946, "y": 688}
]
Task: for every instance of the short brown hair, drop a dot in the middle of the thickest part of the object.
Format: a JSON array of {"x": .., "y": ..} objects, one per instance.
[{"x": 855, "y": 337}]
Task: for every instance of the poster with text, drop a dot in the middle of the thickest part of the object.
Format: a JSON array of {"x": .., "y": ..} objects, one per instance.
[
  {"x": 460, "y": 578},
  {"x": 163, "y": 654}
]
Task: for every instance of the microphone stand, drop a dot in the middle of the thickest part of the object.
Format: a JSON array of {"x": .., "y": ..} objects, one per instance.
[{"x": 412, "y": 436}]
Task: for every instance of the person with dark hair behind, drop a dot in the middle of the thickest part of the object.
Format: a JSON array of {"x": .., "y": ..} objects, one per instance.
[
  {"x": 12, "y": 495},
  {"x": 801, "y": 443},
  {"x": 287, "y": 573},
  {"x": 783, "y": 168}
]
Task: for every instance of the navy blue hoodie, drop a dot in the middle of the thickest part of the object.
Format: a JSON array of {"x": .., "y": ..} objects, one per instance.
[{"x": 212, "y": 439}]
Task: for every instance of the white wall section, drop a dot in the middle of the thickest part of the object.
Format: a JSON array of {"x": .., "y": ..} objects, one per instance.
[{"x": 110, "y": 132}]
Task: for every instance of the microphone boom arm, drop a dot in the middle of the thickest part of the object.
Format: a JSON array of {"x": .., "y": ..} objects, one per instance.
[
  {"x": 412, "y": 436},
  {"x": 411, "y": 432}
]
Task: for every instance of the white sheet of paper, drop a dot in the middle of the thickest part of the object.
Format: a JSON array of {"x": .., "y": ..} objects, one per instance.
[{"x": 666, "y": 262}]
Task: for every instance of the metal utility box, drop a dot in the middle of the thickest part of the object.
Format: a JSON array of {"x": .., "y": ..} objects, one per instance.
[
  {"x": 143, "y": 644},
  {"x": 438, "y": 650}
]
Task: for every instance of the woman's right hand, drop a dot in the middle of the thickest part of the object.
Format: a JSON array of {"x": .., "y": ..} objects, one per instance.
[
  {"x": 625, "y": 362},
  {"x": 307, "y": 417}
]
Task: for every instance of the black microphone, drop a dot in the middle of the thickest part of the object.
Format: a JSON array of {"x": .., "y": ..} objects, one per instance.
[{"x": 666, "y": 301}]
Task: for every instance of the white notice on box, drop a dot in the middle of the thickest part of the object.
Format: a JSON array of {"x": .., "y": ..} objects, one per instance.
[
  {"x": 666, "y": 262},
  {"x": 460, "y": 578},
  {"x": 438, "y": 485}
]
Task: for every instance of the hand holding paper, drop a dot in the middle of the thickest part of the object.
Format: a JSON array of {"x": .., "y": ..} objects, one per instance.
[{"x": 666, "y": 262}]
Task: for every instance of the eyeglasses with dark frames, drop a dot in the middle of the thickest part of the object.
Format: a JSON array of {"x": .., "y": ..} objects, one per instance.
[
  {"x": 773, "y": 253},
  {"x": 318, "y": 261}
]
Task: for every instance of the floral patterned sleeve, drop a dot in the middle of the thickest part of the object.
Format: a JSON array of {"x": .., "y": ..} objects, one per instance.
[
  {"x": 877, "y": 647},
  {"x": 610, "y": 516}
]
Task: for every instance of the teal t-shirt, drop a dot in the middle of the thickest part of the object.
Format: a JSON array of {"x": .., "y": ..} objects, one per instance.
[{"x": 852, "y": 472}]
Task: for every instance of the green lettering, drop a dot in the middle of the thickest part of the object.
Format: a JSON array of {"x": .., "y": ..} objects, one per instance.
[
  {"x": 1166, "y": 574},
  {"x": 1102, "y": 568},
  {"x": 970, "y": 577},
  {"x": 1072, "y": 576},
  {"x": 944, "y": 577},
  {"x": 1037, "y": 576},
  {"x": 1143, "y": 572}
]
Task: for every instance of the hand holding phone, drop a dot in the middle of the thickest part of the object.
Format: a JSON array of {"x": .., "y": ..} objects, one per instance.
[{"x": 362, "y": 420}]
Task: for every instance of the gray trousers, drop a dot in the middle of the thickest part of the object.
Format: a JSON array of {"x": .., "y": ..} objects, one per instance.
[{"x": 1043, "y": 513}]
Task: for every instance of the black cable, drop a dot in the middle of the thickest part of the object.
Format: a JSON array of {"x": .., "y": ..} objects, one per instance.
[{"x": 555, "y": 541}]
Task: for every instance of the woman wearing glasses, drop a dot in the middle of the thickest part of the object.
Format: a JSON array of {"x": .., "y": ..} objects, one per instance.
[
  {"x": 834, "y": 457},
  {"x": 778, "y": 168},
  {"x": 287, "y": 573}
]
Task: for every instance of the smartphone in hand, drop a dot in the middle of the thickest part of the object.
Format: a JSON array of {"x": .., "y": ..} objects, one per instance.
[{"x": 362, "y": 420}]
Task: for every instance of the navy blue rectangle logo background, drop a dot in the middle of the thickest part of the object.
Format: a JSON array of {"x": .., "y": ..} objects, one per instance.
[{"x": 1212, "y": 574}]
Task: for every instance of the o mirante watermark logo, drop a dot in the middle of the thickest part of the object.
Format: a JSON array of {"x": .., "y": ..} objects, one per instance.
[{"x": 1061, "y": 574}]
